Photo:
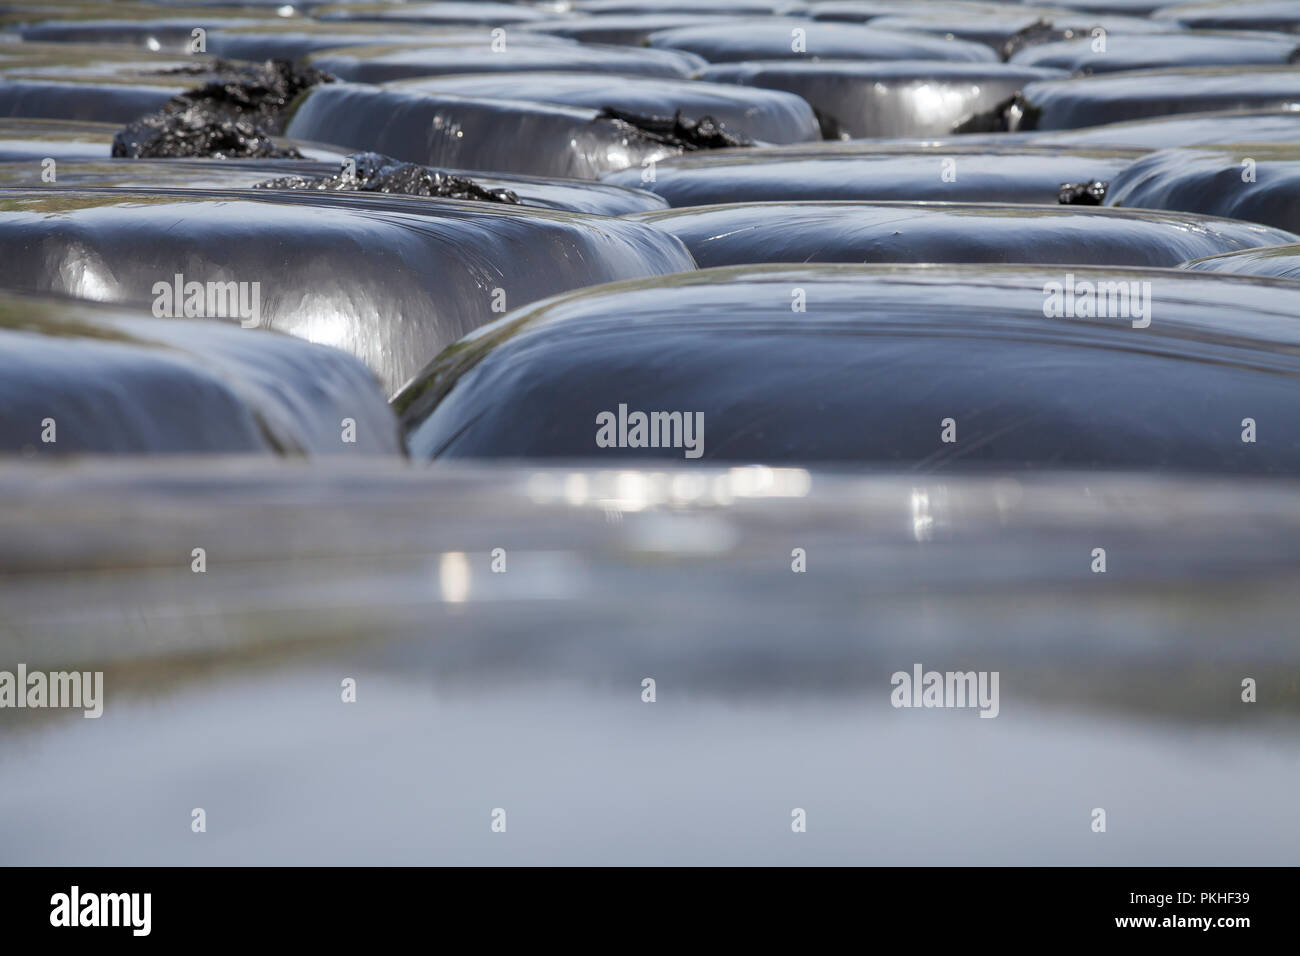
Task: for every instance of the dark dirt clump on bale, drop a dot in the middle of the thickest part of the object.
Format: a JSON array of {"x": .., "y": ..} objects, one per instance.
[
  {"x": 371, "y": 172},
  {"x": 232, "y": 116},
  {"x": 1083, "y": 194},
  {"x": 1014, "y": 114},
  {"x": 705, "y": 133},
  {"x": 1041, "y": 31}
]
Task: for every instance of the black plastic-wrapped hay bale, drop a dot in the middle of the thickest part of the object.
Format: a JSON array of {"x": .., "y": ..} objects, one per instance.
[
  {"x": 733, "y": 8},
  {"x": 1282, "y": 262},
  {"x": 771, "y": 116},
  {"x": 751, "y": 233},
  {"x": 389, "y": 279},
  {"x": 1152, "y": 51},
  {"x": 888, "y": 98},
  {"x": 25, "y": 140},
  {"x": 82, "y": 378},
  {"x": 170, "y": 105},
  {"x": 861, "y": 171},
  {"x": 776, "y": 38},
  {"x": 865, "y": 11},
  {"x": 160, "y": 175},
  {"x": 87, "y": 98},
  {"x": 473, "y": 133},
  {"x": 381, "y": 64},
  {"x": 109, "y": 84},
  {"x": 626, "y": 29},
  {"x": 1184, "y": 129},
  {"x": 447, "y": 12},
  {"x": 870, "y": 364},
  {"x": 1111, "y": 98},
  {"x": 1008, "y": 29},
  {"x": 293, "y": 39},
  {"x": 1282, "y": 15},
  {"x": 1255, "y": 182},
  {"x": 1134, "y": 8},
  {"x": 161, "y": 34}
]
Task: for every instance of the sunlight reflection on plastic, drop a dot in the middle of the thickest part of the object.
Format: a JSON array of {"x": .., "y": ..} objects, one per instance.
[
  {"x": 575, "y": 489},
  {"x": 454, "y": 577},
  {"x": 922, "y": 519},
  {"x": 631, "y": 490}
]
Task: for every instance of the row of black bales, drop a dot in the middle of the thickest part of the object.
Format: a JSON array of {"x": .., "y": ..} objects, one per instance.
[
  {"x": 939, "y": 148},
  {"x": 966, "y": 303}
]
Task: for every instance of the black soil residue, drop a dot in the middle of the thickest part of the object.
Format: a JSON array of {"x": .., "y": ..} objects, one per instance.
[
  {"x": 1040, "y": 31},
  {"x": 372, "y": 172},
  {"x": 705, "y": 133},
  {"x": 1083, "y": 194},
  {"x": 1014, "y": 114},
  {"x": 232, "y": 116}
]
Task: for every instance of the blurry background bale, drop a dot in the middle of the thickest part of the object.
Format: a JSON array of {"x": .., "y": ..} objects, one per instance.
[{"x": 523, "y": 689}]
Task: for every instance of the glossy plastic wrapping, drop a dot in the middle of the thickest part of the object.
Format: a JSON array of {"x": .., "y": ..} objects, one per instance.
[
  {"x": 390, "y": 280},
  {"x": 949, "y": 172},
  {"x": 77, "y": 378},
  {"x": 888, "y": 98},
  {"x": 751, "y": 233},
  {"x": 869, "y": 364}
]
